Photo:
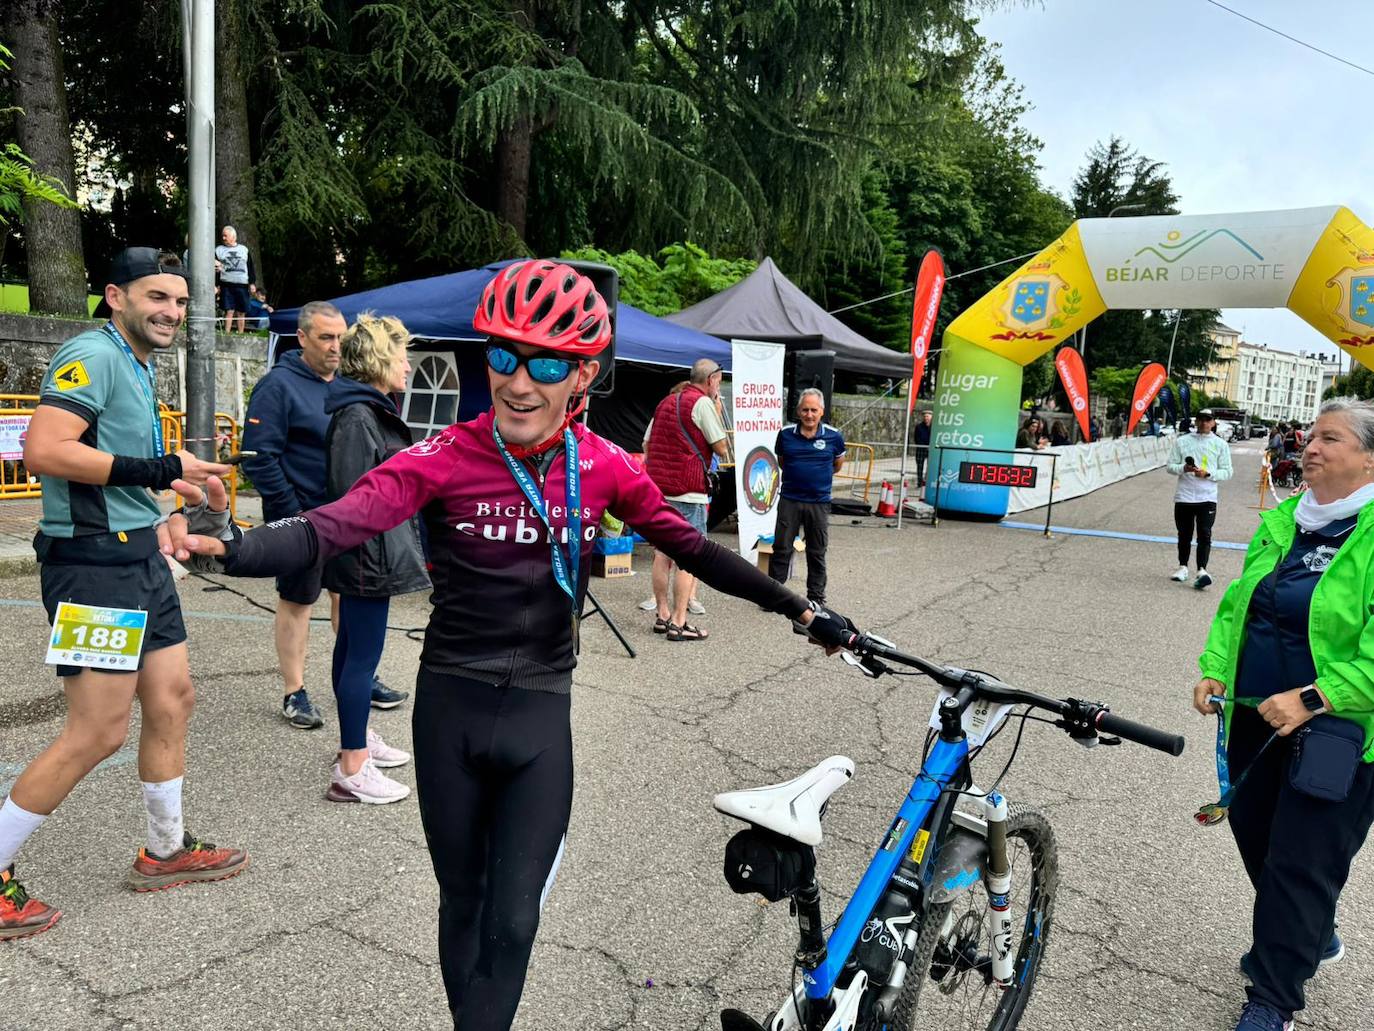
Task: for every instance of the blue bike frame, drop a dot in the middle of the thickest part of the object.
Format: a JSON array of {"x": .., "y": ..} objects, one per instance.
[{"x": 943, "y": 763}]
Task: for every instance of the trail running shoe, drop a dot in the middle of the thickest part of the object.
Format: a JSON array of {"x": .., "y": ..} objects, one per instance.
[
  {"x": 648, "y": 605},
  {"x": 195, "y": 861},
  {"x": 1181, "y": 576},
  {"x": 385, "y": 698},
  {"x": 1204, "y": 580},
  {"x": 299, "y": 711},
  {"x": 369, "y": 785},
  {"x": 695, "y": 607},
  {"x": 20, "y": 915},
  {"x": 382, "y": 754},
  {"x": 1256, "y": 1016}
]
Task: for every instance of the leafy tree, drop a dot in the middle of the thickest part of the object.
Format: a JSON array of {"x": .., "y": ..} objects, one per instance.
[
  {"x": 1358, "y": 382},
  {"x": 687, "y": 275},
  {"x": 57, "y": 273},
  {"x": 883, "y": 272}
]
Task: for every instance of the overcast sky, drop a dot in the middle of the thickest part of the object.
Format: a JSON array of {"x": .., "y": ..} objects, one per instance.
[{"x": 1244, "y": 120}]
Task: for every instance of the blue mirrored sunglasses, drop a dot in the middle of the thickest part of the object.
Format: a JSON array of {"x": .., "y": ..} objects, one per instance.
[{"x": 542, "y": 369}]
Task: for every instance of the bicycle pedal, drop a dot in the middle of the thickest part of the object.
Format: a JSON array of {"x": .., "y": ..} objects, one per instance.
[{"x": 737, "y": 1020}]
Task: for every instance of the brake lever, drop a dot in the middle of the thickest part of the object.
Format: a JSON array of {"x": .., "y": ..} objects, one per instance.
[{"x": 868, "y": 665}]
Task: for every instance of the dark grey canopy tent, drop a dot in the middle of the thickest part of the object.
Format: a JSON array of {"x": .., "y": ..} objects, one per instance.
[{"x": 769, "y": 306}]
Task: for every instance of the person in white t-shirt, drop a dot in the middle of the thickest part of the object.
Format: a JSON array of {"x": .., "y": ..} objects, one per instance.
[{"x": 1200, "y": 460}]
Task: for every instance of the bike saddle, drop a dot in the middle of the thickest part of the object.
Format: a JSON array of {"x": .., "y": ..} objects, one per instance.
[{"x": 793, "y": 808}]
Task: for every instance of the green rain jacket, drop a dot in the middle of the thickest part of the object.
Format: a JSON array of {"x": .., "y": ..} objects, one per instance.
[{"x": 1340, "y": 628}]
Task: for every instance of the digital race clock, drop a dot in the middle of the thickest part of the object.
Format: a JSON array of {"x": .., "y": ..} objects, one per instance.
[{"x": 996, "y": 474}]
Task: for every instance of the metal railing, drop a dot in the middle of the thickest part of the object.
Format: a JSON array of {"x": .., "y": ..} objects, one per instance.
[
  {"x": 857, "y": 470},
  {"x": 17, "y": 482}
]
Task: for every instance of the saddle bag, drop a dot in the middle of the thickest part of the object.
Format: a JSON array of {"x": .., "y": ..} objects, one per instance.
[{"x": 759, "y": 861}]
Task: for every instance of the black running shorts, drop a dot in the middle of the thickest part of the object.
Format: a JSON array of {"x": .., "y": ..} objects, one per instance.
[{"x": 146, "y": 584}]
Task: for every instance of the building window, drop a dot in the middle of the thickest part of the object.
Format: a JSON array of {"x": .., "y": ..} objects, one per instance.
[{"x": 432, "y": 395}]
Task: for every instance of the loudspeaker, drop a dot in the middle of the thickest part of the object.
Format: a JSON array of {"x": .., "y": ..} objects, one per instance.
[
  {"x": 803, "y": 369},
  {"x": 607, "y": 283}
]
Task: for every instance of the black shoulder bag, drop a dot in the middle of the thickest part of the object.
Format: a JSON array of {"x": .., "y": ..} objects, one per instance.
[{"x": 712, "y": 479}]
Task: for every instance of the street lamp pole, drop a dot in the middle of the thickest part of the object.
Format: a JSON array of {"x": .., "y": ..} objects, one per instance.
[{"x": 1083, "y": 344}]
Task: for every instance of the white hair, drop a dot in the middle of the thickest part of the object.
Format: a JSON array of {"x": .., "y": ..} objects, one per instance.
[
  {"x": 1358, "y": 412},
  {"x": 815, "y": 392}
]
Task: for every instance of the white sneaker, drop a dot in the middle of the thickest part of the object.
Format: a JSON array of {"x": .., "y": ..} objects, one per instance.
[
  {"x": 648, "y": 606},
  {"x": 368, "y": 785},
  {"x": 695, "y": 607},
  {"x": 1181, "y": 576},
  {"x": 382, "y": 754},
  {"x": 1204, "y": 579}
]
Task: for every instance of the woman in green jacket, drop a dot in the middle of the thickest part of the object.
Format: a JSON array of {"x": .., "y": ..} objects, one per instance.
[{"x": 1297, "y": 631}]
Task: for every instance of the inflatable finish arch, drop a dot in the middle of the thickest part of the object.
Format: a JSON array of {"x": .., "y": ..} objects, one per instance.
[{"x": 1317, "y": 262}]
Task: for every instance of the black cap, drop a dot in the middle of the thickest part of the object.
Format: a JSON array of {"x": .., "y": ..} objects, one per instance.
[
  {"x": 136, "y": 262},
  {"x": 1206, "y": 413}
]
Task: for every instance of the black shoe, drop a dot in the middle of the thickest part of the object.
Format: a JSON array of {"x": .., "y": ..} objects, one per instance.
[
  {"x": 300, "y": 712},
  {"x": 385, "y": 698}
]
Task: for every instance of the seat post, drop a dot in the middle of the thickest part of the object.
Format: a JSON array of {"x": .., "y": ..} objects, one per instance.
[{"x": 811, "y": 950}]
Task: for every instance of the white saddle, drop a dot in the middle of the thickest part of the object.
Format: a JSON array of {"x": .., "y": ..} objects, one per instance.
[{"x": 793, "y": 808}]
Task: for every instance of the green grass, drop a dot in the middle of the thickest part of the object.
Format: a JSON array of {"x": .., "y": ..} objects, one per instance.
[{"x": 14, "y": 299}]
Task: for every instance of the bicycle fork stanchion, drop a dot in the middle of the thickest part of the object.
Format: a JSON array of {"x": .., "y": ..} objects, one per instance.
[{"x": 999, "y": 889}]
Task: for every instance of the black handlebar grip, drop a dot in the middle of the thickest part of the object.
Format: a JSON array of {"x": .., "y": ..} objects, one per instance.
[{"x": 1139, "y": 733}]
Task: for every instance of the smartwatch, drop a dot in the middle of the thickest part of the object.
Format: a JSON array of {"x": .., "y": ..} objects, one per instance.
[{"x": 1312, "y": 699}]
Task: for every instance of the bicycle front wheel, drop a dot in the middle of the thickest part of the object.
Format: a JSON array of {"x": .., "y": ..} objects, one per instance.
[{"x": 950, "y": 976}]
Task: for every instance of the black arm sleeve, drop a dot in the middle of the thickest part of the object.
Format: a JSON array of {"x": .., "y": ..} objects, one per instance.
[
  {"x": 276, "y": 549},
  {"x": 157, "y": 473},
  {"x": 727, "y": 572}
]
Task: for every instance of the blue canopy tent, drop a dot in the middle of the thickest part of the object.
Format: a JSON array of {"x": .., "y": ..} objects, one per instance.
[{"x": 449, "y": 382}]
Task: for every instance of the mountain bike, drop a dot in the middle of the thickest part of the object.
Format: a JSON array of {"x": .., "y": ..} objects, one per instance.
[{"x": 953, "y": 914}]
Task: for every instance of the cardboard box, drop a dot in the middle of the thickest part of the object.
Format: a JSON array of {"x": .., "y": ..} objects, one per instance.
[
  {"x": 765, "y": 549},
  {"x": 610, "y": 566}
]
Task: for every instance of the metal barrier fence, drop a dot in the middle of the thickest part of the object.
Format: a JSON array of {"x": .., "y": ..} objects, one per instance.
[
  {"x": 18, "y": 482},
  {"x": 857, "y": 470}
]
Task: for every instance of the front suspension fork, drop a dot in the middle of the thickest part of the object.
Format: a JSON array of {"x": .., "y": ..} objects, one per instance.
[{"x": 999, "y": 889}]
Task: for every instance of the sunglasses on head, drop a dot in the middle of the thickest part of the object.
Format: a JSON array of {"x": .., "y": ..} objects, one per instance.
[{"x": 541, "y": 368}]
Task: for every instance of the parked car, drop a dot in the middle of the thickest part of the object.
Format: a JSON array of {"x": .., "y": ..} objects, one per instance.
[
  {"x": 1226, "y": 429},
  {"x": 1258, "y": 430}
]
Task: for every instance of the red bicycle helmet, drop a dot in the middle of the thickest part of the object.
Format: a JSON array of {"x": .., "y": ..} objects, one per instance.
[{"x": 544, "y": 304}]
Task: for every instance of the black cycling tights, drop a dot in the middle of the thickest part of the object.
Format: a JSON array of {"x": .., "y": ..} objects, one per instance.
[
  {"x": 1203, "y": 514},
  {"x": 494, "y": 771}
]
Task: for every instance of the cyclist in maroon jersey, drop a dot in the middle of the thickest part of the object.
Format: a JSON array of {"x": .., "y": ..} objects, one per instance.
[{"x": 512, "y": 500}]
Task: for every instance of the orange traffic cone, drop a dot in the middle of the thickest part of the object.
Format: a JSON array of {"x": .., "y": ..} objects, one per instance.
[{"x": 887, "y": 500}]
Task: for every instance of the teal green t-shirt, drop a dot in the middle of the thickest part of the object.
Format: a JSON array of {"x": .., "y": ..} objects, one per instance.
[{"x": 93, "y": 377}]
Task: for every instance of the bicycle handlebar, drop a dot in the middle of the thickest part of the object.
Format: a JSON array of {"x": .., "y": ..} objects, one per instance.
[
  {"x": 1140, "y": 733},
  {"x": 1082, "y": 720}
]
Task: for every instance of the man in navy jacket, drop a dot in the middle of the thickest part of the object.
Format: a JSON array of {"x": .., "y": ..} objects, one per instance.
[{"x": 286, "y": 425}]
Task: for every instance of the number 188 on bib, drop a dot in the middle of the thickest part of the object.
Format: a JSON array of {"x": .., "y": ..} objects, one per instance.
[{"x": 99, "y": 637}]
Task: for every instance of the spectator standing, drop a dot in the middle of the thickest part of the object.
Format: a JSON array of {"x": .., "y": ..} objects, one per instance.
[
  {"x": 922, "y": 438},
  {"x": 286, "y": 424},
  {"x": 1059, "y": 436},
  {"x": 1031, "y": 433},
  {"x": 236, "y": 278},
  {"x": 1293, "y": 633},
  {"x": 685, "y": 430},
  {"x": 810, "y": 452},
  {"x": 96, "y": 439},
  {"x": 1200, "y": 460},
  {"x": 365, "y": 429}
]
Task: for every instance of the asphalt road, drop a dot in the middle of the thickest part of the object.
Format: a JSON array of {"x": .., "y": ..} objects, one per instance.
[{"x": 334, "y": 925}]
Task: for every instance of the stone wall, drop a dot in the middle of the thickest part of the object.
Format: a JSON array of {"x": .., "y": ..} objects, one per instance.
[
  {"x": 27, "y": 344},
  {"x": 878, "y": 422}
]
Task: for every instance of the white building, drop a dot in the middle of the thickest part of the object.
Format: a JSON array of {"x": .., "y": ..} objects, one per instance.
[{"x": 1277, "y": 385}]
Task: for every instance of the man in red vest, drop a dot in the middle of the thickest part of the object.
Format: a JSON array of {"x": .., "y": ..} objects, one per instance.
[{"x": 685, "y": 431}]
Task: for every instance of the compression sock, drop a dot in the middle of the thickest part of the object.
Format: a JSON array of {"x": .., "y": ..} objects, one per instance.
[
  {"x": 162, "y": 800},
  {"x": 16, "y": 825}
]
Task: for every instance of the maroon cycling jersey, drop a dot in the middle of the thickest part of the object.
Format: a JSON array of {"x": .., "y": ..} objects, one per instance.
[{"x": 499, "y": 614}]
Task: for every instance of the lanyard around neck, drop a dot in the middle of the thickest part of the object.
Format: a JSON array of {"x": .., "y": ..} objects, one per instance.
[
  {"x": 564, "y": 568},
  {"x": 147, "y": 383}
]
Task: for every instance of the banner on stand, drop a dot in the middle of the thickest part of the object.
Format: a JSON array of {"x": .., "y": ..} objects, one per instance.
[
  {"x": 13, "y": 430},
  {"x": 1147, "y": 387},
  {"x": 1069, "y": 364},
  {"x": 930, "y": 287},
  {"x": 758, "y": 395}
]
